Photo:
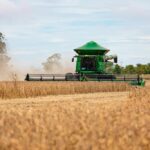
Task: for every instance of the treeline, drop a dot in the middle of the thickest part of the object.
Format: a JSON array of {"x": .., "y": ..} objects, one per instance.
[{"x": 129, "y": 69}]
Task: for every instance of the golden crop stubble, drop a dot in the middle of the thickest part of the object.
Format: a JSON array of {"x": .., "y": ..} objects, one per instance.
[{"x": 89, "y": 122}]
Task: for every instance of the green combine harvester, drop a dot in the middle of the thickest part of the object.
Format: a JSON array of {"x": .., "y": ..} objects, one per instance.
[{"x": 91, "y": 60}]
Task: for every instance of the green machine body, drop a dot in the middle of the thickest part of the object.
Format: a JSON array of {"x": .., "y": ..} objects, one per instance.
[{"x": 91, "y": 58}]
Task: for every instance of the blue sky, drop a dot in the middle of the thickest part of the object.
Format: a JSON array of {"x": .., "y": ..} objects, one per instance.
[{"x": 35, "y": 29}]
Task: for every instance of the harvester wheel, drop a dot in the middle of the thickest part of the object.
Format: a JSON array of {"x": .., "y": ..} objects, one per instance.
[{"x": 69, "y": 77}]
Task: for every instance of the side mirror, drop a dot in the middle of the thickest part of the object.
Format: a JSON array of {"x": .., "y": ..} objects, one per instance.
[
  {"x": 115, "y": 60},
  {"x": 73, "y": 59}
]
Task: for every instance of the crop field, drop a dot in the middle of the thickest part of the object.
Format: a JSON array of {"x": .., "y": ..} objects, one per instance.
[
  {"x": 146, "y": 76},
  {"x": 9, "y": 90},
  {"x": 83, "y": 116}
]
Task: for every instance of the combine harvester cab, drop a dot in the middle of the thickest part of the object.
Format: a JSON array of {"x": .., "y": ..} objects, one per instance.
[{"x": 91, "y": 62}]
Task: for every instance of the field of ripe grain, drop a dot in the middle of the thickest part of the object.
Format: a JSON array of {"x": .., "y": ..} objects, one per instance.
[
  {"x": 9, "y": 90},
  {"x": 146, "y": 76},
  {"x": 112, "y": 120}
]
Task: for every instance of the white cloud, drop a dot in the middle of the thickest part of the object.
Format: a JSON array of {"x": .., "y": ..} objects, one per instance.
[
  {"x": 65, "y": 24},
  {"x": 10, "y": 9},
  {"x": 146, "y": 38},
  {"x": 57, "y": 40},
  {"x": 7, "y": 6},
  {"x": 54, "y": 3}
]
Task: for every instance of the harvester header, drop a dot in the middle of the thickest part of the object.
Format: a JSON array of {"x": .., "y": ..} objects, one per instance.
[{"x": 91, "y": 60}]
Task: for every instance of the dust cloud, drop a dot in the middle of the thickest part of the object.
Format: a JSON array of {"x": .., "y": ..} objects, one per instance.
[
  {"x": 53, "y": 64},
  {"x": 57, "y": 64}
]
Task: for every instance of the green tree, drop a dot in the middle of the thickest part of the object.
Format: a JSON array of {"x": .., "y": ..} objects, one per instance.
[
  {"x": 2, "y": 44},
  {"x": 117, "y": 69},
  {"x": 140, "y": 69},
  {"x": 148, "y": 68},
  {"x": 4, "y": 59},
  {"x": 130, "y": 69}
]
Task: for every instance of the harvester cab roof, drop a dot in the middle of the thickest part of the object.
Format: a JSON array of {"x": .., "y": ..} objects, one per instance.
[{"x": 91, "y": 48}]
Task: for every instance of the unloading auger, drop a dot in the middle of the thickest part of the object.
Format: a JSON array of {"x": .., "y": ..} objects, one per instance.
[{"x": 91, "y": 62}]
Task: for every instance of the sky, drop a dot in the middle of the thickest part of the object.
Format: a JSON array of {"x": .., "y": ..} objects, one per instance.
[{"x": 35, "y": 29}]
